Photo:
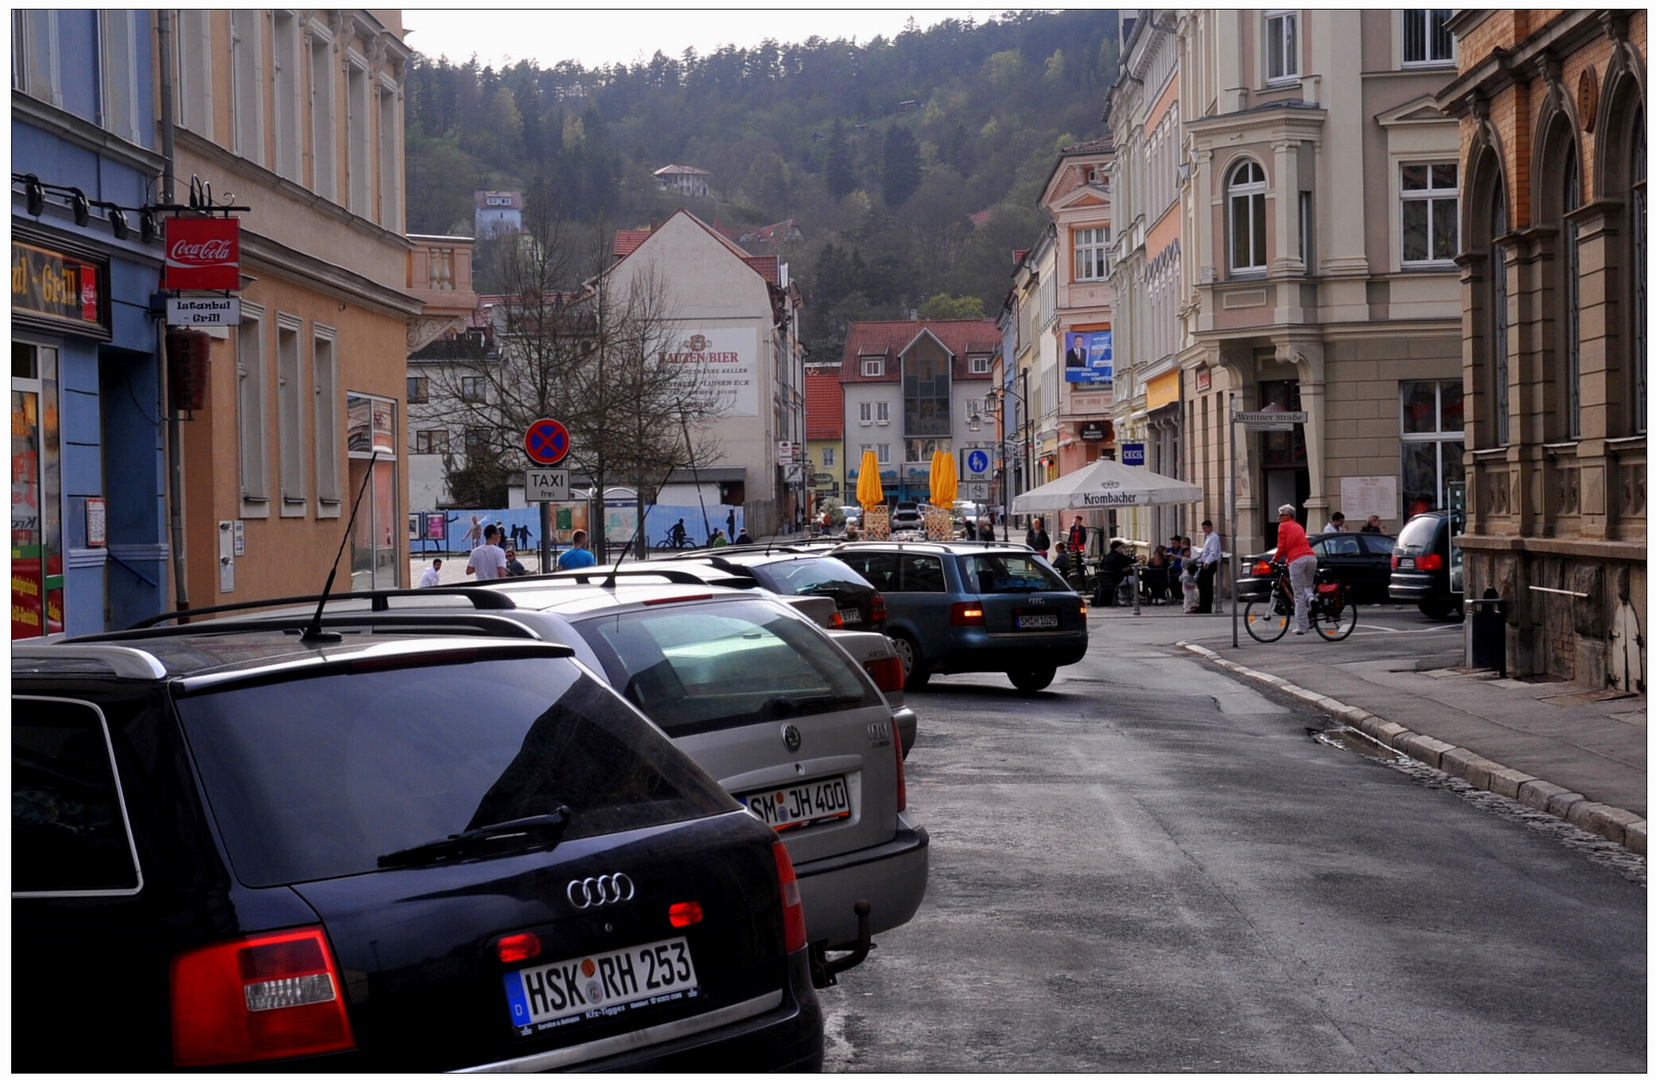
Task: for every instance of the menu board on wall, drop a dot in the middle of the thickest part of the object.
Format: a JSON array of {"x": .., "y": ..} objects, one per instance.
[{"x": 58, "y": 289}]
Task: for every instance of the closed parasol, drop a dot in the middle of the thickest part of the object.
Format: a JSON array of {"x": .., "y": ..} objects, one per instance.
[{"x": 869, "y": 490}]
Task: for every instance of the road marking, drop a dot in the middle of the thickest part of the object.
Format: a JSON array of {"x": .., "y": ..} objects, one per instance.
[{"x": 1396, "y": 630}]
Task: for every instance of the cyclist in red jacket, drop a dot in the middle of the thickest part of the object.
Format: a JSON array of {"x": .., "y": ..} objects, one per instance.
[{"x": 1295, "y": 550}]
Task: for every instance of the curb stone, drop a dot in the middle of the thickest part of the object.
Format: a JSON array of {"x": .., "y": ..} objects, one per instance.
[{"x": 1617, "y": 825}]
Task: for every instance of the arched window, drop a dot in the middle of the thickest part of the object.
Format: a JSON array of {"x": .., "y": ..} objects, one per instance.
[
  {"x": 1572, "y": 295},
  {"x": 1246, "y": 193},
  {"x": 1640, "y": 258},
  {"x": 1500, "y": 388}
]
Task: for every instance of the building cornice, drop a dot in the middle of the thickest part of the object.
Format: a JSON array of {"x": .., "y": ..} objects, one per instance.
[
  {"x": 1501, "y": 68},
  {"x": 83, "y": 133},
  {"x": 262, "y": 251}
]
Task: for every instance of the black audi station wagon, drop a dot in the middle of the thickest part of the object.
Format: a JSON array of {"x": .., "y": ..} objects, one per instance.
[{"x": 238, "y": 847}]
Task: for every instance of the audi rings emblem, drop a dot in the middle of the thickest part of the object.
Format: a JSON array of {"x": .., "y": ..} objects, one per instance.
[{"x": 597, "y": 891}]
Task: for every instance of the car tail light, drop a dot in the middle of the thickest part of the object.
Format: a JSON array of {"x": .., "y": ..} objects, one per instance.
[
  {"x": 1394, "y": 562},
  {"x": 258, "y": 998},
  {"x": 1083, "y": 612},
  {"x": 836, "y": 621},
  {"x": 967, "y": 614},
  {"x": 902, "y": 777},
  {"x": 793, "y": 910},
  {"x": 516, "y": 948},
  {"x": 886, "y": 672},
  {"x": 877, "y": 611},
  {"x": 1429, "y": 562},
  {"x": 688, "y": 913},
  {"x": 1262, "y": 568}
]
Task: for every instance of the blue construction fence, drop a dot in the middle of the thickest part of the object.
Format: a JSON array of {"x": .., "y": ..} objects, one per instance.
[{"x": 439, "y": 532}]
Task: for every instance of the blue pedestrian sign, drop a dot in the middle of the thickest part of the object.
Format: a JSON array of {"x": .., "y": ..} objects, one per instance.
[
  {"x": 546, "y": 442},
  {"x": 977, "y": 462},
  {"x": 1132, "y": 453}
]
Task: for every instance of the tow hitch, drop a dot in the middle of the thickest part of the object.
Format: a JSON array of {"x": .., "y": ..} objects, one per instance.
[{"x": 825, "y": 972}]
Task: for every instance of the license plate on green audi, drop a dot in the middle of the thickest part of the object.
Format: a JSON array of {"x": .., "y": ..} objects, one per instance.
[
  {"x": 600, "y": 984},
  {"x": 800, "y": 804}
]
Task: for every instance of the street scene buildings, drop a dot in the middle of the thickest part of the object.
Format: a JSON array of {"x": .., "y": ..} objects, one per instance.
[{"x": 1304, "y": 210}]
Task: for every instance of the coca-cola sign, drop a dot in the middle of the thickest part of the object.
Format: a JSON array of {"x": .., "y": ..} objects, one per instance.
[{"x": 203, "y": 253}]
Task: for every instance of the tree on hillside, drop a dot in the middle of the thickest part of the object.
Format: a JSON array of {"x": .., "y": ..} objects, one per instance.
[
  {"x": 841, "y": 180},
  {"x": 899, "y": 166},
  {"x": 944, "y": 306}
]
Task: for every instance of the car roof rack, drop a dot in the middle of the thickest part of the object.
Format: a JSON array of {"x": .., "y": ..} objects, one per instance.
[
  {"x": 123, "y": 661},
  {"x": 594, "y": 575},
  {"x": 379, "y": 600}
]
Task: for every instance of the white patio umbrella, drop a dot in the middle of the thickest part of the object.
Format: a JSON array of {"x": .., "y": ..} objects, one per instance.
[{"x": 1105, "y": 485}]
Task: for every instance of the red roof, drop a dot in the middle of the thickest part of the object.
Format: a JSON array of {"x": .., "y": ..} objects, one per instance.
[
  {"x": 962, "y": 337},
  {"x": 627, "y": 240},
  {"x": 824, "y": 402},
  {"x": 765, "y": 264}
]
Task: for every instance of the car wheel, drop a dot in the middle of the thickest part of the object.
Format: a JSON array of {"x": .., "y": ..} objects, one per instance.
[
  {"x": 1032, "y": 680},
  {"x": 915, "y": 673},
  {"x": 1439, "y": 609}
]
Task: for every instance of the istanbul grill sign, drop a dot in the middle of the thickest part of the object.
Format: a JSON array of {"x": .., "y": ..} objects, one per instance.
[{"x": 203, "y": 253}]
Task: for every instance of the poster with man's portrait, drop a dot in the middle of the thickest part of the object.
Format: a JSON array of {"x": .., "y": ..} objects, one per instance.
[{"x": 1088, "y": 357}]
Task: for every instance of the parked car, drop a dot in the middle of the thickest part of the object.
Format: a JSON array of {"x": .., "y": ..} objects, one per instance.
[
  {"x": 381, "y": 853},
  {"x": 973, "y": 606},
  {"x": 750, "y": 688},
  {"x": 907, "y": 515},
  {"x": 790, "y": 572},
  {"x": 1421, "y": 564},
  {"x": 1360, "y": 560}
]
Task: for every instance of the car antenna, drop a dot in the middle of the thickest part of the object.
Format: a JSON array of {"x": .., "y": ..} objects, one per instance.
[
  {"x": 314, "y": 634},
  {"x": 637, "y": 537}
]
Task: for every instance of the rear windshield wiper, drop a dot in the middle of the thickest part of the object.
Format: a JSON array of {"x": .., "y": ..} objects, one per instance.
[{"x": 536, "y": 829}]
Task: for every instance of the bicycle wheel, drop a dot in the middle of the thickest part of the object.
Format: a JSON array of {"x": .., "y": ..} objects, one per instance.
[
  {"x": 1264, "y": 622},
  {"x": 1335, "y": 617}
]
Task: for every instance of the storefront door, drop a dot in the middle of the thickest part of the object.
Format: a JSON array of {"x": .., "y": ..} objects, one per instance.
[{"x": 37, "y": 525}]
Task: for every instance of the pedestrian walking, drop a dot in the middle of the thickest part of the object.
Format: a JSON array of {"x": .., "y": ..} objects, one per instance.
[
  {"x": 1295, "y": 550},
  {"x": 431, "y": 577},
  {"x": 474, "y": 534},
  {"x": 577, "y": 557},
  {"x": 1209, "y": 559},
  {"x": 487, "y": 561},
  {"x": 1061, "y": 561},
  {"x": 676, "y": 535}
]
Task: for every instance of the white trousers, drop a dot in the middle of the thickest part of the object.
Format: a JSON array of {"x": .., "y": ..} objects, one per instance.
[{"x": 1302, "y": 577}]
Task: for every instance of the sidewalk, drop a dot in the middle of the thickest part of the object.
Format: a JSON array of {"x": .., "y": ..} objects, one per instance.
[{"x": 1575, "y": 753}]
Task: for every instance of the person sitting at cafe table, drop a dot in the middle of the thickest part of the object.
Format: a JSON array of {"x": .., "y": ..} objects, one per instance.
[{"x": 1111, "y": 572}]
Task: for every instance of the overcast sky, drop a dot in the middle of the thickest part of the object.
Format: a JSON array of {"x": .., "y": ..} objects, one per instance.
[{"x": 592, "y": 36}]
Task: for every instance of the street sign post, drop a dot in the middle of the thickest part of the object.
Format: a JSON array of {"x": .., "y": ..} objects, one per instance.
[
  {"x": 546, "y": 485},
  {"x": 974, "y": 466},
  {"x": 546, "y": 442},
  {"x": 1270, "y": 421}
]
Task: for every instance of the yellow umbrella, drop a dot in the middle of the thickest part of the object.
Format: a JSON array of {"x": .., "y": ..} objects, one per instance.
[
  {"x": 936, "y": 477},
  {"x": 944, "y": 491},
  {"x": 869, "y": 491}
]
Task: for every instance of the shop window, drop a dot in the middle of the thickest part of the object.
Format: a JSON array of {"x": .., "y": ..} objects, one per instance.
[
  {"x": 37, "y": 516},
  {"x": 1433, "y": 437}
]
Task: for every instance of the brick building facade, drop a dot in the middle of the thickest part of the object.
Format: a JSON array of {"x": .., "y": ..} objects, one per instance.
[{"x": 1553, "y": 272}]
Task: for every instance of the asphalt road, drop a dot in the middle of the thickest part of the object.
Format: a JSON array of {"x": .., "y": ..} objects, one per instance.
[{"x": 1151, "y": 867}]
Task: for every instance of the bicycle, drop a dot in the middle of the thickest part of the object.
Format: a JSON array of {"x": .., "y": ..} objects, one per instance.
[{"x": 1332, "y": 613}]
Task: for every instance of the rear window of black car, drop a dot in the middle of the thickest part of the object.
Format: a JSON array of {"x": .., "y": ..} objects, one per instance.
[
  {"x": 999, "y": 573},
  {"x": 707, "y": 667},
  {"x": 1417, "y": 535},
  {"x": 317, "y": 777}
]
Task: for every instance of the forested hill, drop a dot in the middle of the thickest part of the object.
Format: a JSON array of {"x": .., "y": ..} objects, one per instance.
[{"x": 911, "y": 164}]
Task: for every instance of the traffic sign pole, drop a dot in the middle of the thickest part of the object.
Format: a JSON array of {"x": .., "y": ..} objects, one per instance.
[{"x": 546, "y": 442}]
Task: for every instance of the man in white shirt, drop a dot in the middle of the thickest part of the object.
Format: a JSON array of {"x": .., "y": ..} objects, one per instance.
[
  {"x": 1335, "y": 523},
  {"x": 1209, "y": 558},
  {"x": 431, "y": 578},
  {"x": 488, "y": 561}
]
